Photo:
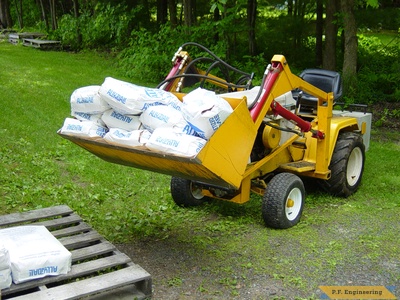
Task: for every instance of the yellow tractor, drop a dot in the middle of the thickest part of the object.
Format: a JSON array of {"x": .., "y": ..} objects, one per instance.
[{"x": 279, "y": 132}]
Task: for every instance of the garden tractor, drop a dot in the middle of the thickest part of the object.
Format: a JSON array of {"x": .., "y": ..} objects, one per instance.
[{"x": 279, "y": 133}]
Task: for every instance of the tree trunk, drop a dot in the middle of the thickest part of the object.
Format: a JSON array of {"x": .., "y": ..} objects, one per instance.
[
  {"x": 172, "y": 13},
  {"x": 290, "y": 8},
  {"x": 5, "y": 16},
  {"x": 53, "y": 15},
  {"x": 319, "y": 28},
  {"x": 331, "y": 29},
  {"x": 216, "y": 18},
  {"x": 187, "y": 15},
  {"x": 251, "y": 22},
  {"x": 350, "y": 47},
  {"x": 44, "y": 16},
  {"x": 18, "y": 8},
  {"x": 78, "y": 25},
  {"x": 162, "y": 12}
]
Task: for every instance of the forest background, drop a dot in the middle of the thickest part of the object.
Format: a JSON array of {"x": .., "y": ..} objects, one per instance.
[{"x": 358, "y": 38}]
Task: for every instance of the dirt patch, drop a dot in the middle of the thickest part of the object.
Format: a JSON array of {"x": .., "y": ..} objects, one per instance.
[{"x": 177, "y": 273}]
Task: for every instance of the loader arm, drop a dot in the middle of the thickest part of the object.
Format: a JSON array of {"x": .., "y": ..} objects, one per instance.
[
  {"x": 280, "y": 80},
  {"x": 185, "y": 72}
]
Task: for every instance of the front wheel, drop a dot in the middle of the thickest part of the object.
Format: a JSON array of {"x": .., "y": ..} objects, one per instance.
[
  {"x": 186, "y": 193},
  {"x": 347, "y": 165},
  {"x": 283, "y": 201}
]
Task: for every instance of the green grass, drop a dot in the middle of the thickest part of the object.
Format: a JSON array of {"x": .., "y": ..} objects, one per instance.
[
  {"x": 336, "y": 237},
  {"x": 386, "y": 38}
]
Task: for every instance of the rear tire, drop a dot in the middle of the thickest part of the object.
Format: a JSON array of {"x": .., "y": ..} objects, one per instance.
[
  {"x": 347, "y": 165},
  {"x": 185, "y": 193},
  {"x": 283, "y": 201}
]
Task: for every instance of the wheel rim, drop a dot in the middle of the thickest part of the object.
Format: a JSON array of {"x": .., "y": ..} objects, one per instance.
[
  {"x": 293, "y": 204},
  {"x": 354, "y": 166},
  {"x": 196, "y": 191}
]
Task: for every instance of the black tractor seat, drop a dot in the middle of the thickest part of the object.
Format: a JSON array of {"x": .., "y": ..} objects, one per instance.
[{"x": 325, "y": 80}]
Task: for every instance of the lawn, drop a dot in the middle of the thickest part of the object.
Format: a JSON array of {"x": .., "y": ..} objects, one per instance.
[{"x": 351, "y": 241}]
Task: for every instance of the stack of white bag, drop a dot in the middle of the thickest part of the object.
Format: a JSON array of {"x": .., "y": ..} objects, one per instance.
[
  {"x": 87, "y": 107},
  {"x": 34, "y": 253},
  {"x": 135, "y": 116},
  {"x": 5, "y": 268}
]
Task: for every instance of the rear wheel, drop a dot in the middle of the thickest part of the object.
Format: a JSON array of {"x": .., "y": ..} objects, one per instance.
[
  {"x": 186, "y": 193},
  {"x": 347, "y": 165},
  {"x": 283, "y": 201}
]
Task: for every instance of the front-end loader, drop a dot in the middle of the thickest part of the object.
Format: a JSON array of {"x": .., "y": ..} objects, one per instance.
[{"x": 279, "y": 133}]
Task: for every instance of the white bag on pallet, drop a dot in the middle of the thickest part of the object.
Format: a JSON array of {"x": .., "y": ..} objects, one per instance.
[
  {"x": 5, "y": 268},
  {"x": 114, "y": 119},
  {"x": 131, "y": 99},
  {"x": 34, "y": 253},
  {"x": 205, "y": 111},
  {"x": 167, "y": 140},
  {"x": 87, "y": 100}
]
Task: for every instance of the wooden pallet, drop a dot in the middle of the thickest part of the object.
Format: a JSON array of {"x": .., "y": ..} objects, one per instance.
[
  {"x": 41, "y": 44},
  {"x": 99, "y": 270},
  {"x": 15, "y": 38}
]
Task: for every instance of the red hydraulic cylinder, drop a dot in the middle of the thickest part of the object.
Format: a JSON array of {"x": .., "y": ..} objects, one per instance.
[{"x": 295, "y": 119}]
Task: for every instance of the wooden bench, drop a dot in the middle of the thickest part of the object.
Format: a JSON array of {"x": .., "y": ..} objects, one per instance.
[
  {"x": 42, "y": 44},
  {"x": 99, "y": 270},
  {"x": 15, "y": 38}
]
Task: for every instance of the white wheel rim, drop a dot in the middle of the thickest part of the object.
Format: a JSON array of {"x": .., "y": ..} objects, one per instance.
[
  {"x": 196, "y": 192},
  {"x": 354, "y": 166},
  {"x": 293, "y": 204}
]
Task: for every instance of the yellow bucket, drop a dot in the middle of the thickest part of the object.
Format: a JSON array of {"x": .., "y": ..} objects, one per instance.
[{"x": 221, "y": 162}]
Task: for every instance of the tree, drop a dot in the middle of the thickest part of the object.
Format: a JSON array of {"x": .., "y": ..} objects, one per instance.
[
  {"x": 188, "y": 7},
  {"x": 331, "y": 30},
  {"x": 172, "y": 13},
  {"x": 78, "y": 27},
  {"x": 5, "y": 16},
  {"x": 350, "y": 44},
  {"x": 43, "y": 13},
  {"x": 319, "y": 29},
  {"x": 251, "y": 21},
  {"x": 162, "y": 12},
  {"x": 18, "y": 8}
]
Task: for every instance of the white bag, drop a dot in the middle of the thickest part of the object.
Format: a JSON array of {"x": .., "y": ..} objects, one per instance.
[
  {"x": 160, "y": 116},
  {"x": 87, "y": 99},
  {"x": 130, "y": 99},
  {"x": 95, "y": 118},
  {"x": 205, "y": 111},
  {"x": 184, "y": 127},
  {"x": 135, "y": 138},
  {"x": 166, "y": 140},
  {"x": 114, "y": 119},
  {"x": 82, "y": 128},
  {"x": 175, "y": 103},
  {"x": 5, "y": 278},
  {"x": 34, "y": 253},
  {"x": 5, "y": 268}
]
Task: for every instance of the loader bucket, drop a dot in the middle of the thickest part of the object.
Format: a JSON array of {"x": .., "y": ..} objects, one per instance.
[{"x": 221, "y": 162}]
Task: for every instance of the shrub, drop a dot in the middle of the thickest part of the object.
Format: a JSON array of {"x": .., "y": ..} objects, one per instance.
[
  {"x": 378, "y": 74},
  {"x": 148, "y": 55},
  {"x": 106, "y": 27}
]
